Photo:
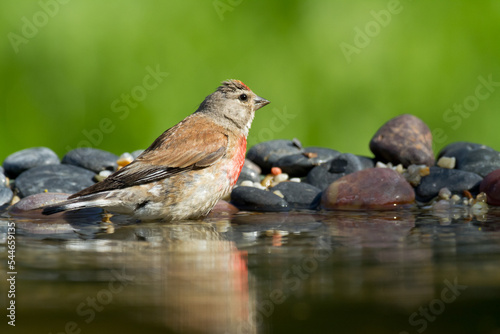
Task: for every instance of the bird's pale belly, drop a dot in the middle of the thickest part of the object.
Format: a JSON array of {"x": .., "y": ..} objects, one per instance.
[{"x": 183, "y": 196}]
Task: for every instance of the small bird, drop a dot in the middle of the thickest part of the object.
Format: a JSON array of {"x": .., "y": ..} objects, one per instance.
[{"x": 187, "y": 169}]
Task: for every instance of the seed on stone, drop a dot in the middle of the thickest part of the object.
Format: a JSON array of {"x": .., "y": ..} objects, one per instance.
[
  {"x": 310, "y": 155},
  {"x": 277, "y": 192},
  {"x": 467, "y": 194}
]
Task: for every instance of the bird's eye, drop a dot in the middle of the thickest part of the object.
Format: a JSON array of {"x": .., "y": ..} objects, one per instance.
[{"x": 243, "y": 97}]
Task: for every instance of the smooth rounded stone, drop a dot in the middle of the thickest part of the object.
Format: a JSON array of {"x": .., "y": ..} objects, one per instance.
[
  {"x": 91, "y": 158},
  {"x": 455, "y": 180},
  {"x": 18, "y": 162},
  {"x": 222, "y": 209},
  {"x": 266, "y": 154},
  {"x": 37, "y": 201},
  {"x": 323, "y": 175},
  {"x": 405, "y": 139},
  {"x": 5, "y": 195},
  {"x": 491, "y": 186},
  {"x": 299, "y": 195},
  {"x": 254, "y": 199},
  {"x": 370, "y": 189},
  {"x": 3, "y": 180},
  {"x": 252, "y": 165},
  {"x": 53, "y": 178},
  {"x": 248, "y": 174},
  {"x": 298, "y": 165},
  {"x": 471, "y": 157}
]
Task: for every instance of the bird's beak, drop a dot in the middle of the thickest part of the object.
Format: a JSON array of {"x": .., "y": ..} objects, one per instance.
[{"x": 260, "y": 102}]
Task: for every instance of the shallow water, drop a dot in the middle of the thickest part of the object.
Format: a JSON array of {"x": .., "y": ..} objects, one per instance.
[{"x": 409, "y": 271}]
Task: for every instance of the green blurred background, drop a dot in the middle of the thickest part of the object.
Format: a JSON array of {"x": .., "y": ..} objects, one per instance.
[{"x": 333, "y": 73}]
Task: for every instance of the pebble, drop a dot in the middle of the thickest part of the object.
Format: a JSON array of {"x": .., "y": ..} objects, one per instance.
[
  {"x": 36, "y": 201},
  {"x": 5, "y": 195},
  {"x": 447, "y": 162},
  {"x": 18, "y": 162},
  {"x": 457, "y": 181},
  {"x": 405, "y": 139},
  {"x": 124, "y": 160},
  {"x": 53, "y": 178},
  {"x": 222, "y": 209},
  {"x": 3, "y": 180},
  {"x": 266, "y": 154},
  {"x": 92, "y": 159},
  {"x": 248, "y": 174},
  {"x": 301, "y": 163},
  {"x": 444, "y": 193},
  {"x": 491, "y": 186},
  {"x": 322, "y": 176},
  {"x": 373, "y": 189},
  {"x": 299, "y": 195},
  {"x": 414, "y": 174},
  {"x": 254, "y": 199},
  {"x": 471, "y": 157}
]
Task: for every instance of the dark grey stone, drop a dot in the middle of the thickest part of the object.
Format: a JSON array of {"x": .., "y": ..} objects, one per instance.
[
  {"x": 455, "y": 180},
  {"x": 366, "y": 162},
  {"x": 267, "y": 153},
  {"x": 322, "y": 176},
  {"x": 92, "y": 159},
  {"x": 254, "y": 199},
  {"x": 298, "y": 165},
  {"x": 299, "y": 195},
  {"x": 3, "y": 180},
  {"x": 5, "y": 195},
  {"x": 54, "y": 178},
  {"x": 471, "y": 157},
  {"x": 248, "y": 174},
  {"x": 18, "y": 162}
]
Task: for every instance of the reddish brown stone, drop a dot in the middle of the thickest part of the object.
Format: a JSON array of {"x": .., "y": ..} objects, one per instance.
[
  {"x": 222, "y": 208},
  {"x": 372, "y": 188},
  {"x": 405, "y": 139},
  {"x": 491, "y": 186}
]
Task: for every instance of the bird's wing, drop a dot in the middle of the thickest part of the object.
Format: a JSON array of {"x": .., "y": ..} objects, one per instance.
[{"x": 191, "y": 144}]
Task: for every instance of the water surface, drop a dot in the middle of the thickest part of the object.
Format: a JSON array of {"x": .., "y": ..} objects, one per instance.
[{"x": 410, "y": 271}]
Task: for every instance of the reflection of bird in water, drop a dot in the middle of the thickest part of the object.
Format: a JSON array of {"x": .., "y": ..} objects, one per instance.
[{"x": 196, "y": 280}]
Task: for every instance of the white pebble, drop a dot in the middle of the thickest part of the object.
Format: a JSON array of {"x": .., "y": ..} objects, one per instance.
[
  {"x": 280, "y": 178},
  {"x": 380, "y": 165},
  {"x": 295, "y": 179},
  {"x": 246, "y": 183},
  {"x": 445, "y": 193},
  {"x": 447, "y": 162}
]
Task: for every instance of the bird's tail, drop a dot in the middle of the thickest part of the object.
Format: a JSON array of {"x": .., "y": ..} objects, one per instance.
[{"x": 94, "y": 200}]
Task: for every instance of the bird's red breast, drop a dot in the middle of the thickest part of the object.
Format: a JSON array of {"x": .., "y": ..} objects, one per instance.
[{"x": 238, "y": 160}]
